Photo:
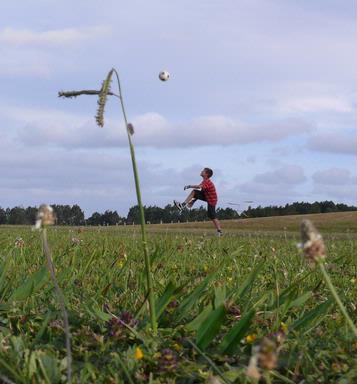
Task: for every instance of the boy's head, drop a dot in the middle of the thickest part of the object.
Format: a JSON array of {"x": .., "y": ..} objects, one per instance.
[{"x": 206, "y": 173}]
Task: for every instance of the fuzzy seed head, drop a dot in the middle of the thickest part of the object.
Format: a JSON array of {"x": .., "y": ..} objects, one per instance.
[
  {"x": 45, "y": 216},
  {"x": 102, "y": 100},
  {"x": 19, "y": 242},
  {"x": 130, "y": 129},
  {"x": 312, "y": 243},
  {"x": 268, "y": 354}
]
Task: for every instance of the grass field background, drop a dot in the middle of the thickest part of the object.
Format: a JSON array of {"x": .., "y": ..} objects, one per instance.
[{"x": 206, "y": 288}]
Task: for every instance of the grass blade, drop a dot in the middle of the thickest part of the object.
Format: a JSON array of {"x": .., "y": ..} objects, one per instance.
[
  {"x": 310, "y": 316},
  {"x": 210, "y": 327},
  {"x": 193, "y": 297},
  {"x": 231, "y": 341}
]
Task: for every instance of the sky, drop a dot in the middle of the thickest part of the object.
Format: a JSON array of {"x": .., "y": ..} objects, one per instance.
[{"x": 260, "y": 91}]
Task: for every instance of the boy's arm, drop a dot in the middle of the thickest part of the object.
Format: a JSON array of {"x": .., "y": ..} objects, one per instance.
[{"x": 192, "y": 186}]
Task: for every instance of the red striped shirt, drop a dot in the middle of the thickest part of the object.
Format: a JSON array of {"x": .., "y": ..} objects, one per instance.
[{"x": 209, "y": 191}]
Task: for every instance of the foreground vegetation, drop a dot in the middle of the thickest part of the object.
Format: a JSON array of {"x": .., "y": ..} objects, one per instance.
[{"x": 217, "y": 300}]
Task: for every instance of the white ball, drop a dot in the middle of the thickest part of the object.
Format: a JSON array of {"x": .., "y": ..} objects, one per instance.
[{"x": 164, "y": 75}]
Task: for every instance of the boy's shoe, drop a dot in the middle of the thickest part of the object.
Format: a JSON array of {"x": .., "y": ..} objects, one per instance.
[
  {"x": 179, "y": 206},
  {"x": 219, "y": 233}
]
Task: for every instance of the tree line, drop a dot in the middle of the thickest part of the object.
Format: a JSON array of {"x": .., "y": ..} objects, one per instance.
[{"x": 74, "y": 215}]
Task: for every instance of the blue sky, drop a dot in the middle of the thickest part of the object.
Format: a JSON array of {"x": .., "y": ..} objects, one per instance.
[{"x": 260, "y": 91}]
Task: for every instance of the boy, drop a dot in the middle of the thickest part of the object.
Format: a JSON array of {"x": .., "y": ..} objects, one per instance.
[{"x": 205, "y": 191}]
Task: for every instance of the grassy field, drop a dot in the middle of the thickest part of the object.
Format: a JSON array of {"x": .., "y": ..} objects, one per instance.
[
  {"x": 340, "y": 222},
  {"x": 220, "y": 301}
]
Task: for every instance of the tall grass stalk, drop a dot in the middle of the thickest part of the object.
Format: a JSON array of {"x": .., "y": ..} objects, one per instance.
[
  {"x": 103, "y": 94},
  {"x": 336, "y": 297},
  {"x": 315, "y": 253},
  {"x": 141, "y": 210},
  {"x": 61, "y": 300}
]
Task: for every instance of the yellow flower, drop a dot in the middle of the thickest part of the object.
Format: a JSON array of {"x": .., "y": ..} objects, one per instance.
[
  {"x": 251, "y": 338},
  {"x": 354, "y": 281},
  {"x": 120, "y": 264},
  {"x": 283, "y": 327},
  {"x": 205, "y": 268},
  {"x": 177, "y": 347},
  {"x": 138, "y": 353}
]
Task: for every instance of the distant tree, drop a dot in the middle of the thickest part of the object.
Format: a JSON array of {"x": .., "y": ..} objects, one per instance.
[
  {"x": 133, "y": 215},
  {"x": 95, "y": 219},
  {"x": 17, "y": 216},
  {"x": 30, "y": 213},
  {"x": 227, "y": 214},
  {"x": 110, "y": 218},
  {"x": 77, "y": 215},
  {"x": 3, "y": 217}
]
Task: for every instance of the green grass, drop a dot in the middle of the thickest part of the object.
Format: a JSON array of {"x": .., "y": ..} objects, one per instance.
[
  {"x": 211, "y": 294},
  {"x": 339, "y": 222}
]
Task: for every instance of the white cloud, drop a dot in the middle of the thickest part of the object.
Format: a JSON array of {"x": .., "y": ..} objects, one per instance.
[
  {"x": 333, "y": 142},
  {"x": 61, "y": 129},
  {"x": 286, "y": 175},
  {"x": 333, "y": 176},
  {"x": 316, "y": 104},
  {"x": 279, "y": 186},
  {"x": 31, "y": 37}
]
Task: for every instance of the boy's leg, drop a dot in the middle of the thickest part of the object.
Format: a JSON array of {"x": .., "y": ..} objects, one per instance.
[
  {"x": 190, "y": 204},
  {"x": 190, "y": 197},
  {"x": 193, "y": 197},
  {"x": 211, "y": 212},
  {"x": 217, "y": 224}
]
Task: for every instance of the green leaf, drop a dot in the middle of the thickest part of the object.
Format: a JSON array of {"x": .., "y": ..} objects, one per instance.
[
  {"x": 210, "y": 327},
  {"x": 247, "y": 283},
  {"x": 193, "y": 297},
  {"x": 310, "y": 316},
  {"x": 3, "y": 281},
  {"x": 300, "y": 300},
  {"x": 33, "y": 283},
  {"x": 95, "y": 312},
  {"x": 231, "y": 341},
  {"x": 165, "y": 298},
  {"x": 219, "y": 295},
  {"x": 42, "y": 329},
  {"x": 198, "y": 320},
  {"x": 49, "y": 368}
]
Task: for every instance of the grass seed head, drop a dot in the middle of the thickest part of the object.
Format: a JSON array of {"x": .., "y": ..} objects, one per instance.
[
  {"x": 268, "y": 354},
  {"x": 19, "y": 242},
  {"x": 312, "y": 243},
  {"x": 45, "y": 216},
  {"x": 102, "y": 100},
  {"x": 130, "y": 128}
]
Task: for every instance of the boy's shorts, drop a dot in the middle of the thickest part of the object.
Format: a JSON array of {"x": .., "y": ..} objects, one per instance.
[{"x": 211, "y": 209}]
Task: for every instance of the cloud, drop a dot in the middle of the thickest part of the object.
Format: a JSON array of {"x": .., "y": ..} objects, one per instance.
[
  {"x": 272, "y": 187},
  {"x": 333, "y": 176},
  {"x": 94, "y": 180},
  {"x": 317, "y": 104},
  {"x": 27, "y": 37},
  {"x": 286, "y": 175},
  {"x": 61, "y": 129},
  {"x": 337, "y": 142},
  {"x": 334, "y": 184}
]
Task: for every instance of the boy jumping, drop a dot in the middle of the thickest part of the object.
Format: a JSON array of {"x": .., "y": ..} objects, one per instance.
[{"x": 205, "y": 191}]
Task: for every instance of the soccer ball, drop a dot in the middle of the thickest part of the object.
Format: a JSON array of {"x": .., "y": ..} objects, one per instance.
[{"x": 164, "y": 75}]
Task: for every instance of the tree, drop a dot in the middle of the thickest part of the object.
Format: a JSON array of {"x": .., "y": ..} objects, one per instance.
[
  {"x": 95, "y": 219},
  {"x": 3, "y": 218},
  {"x": 17, "y": 216}
]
